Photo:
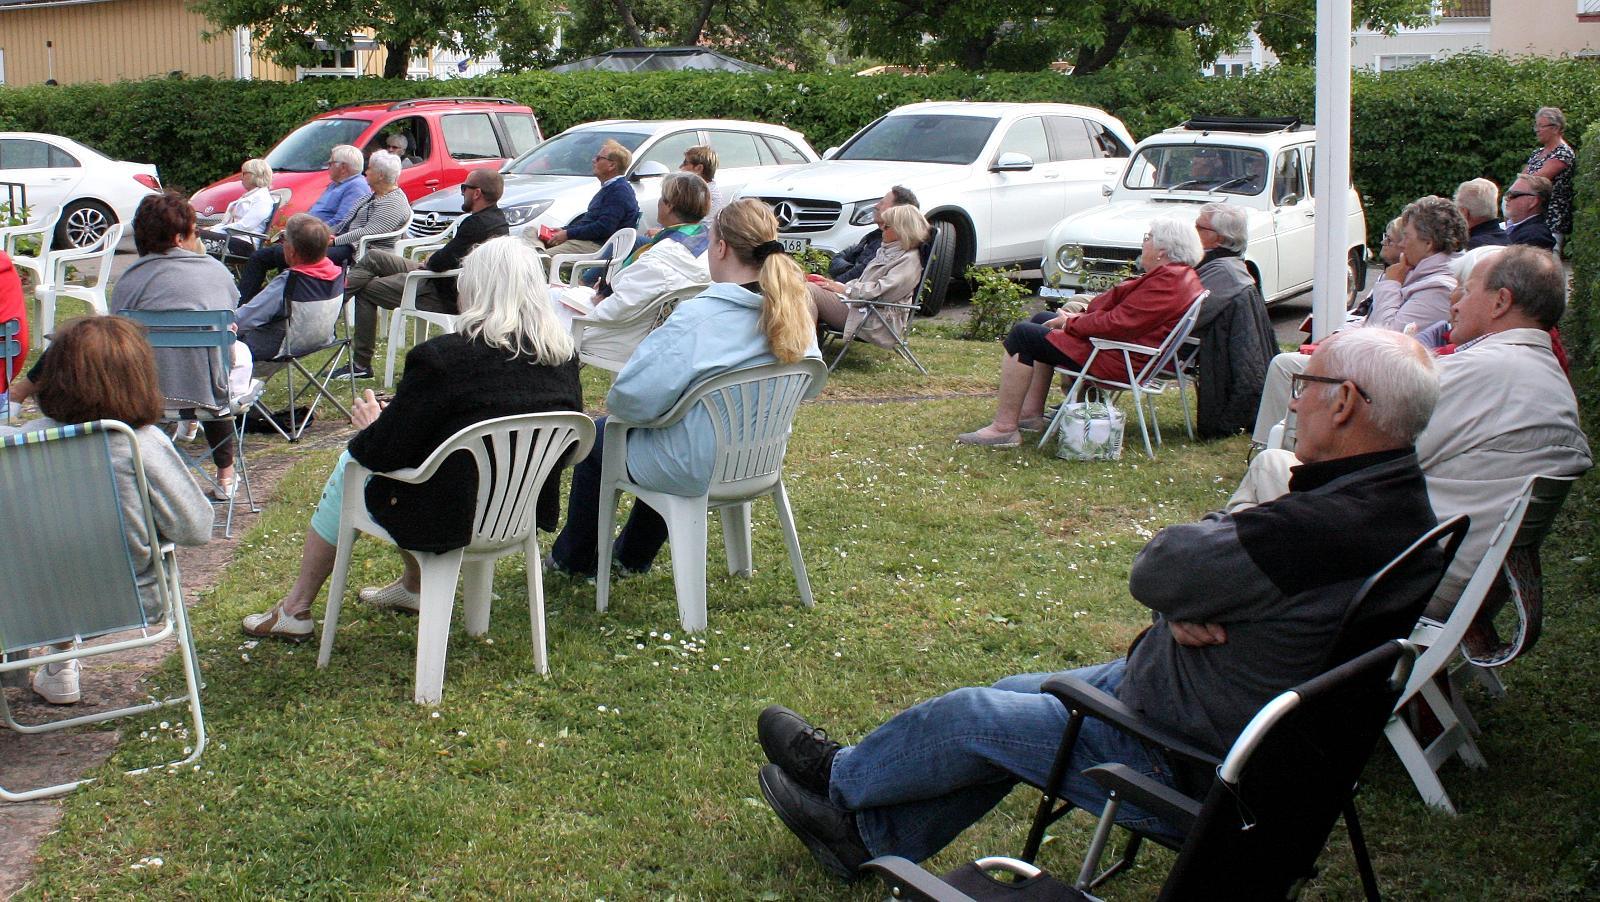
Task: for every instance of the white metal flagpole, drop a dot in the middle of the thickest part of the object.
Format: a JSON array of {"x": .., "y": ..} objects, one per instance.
[{"x": 1332, "y": 170}]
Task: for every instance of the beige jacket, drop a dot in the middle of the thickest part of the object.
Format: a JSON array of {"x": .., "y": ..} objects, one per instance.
[{"x": 892, "y": 276}]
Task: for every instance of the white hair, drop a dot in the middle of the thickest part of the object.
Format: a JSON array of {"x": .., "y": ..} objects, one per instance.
[
  {"x": 1230, "y": 223},
  {"x": 348, "y": 154},
  {"x": 1462, "y": 264},
  {"x": 1479, "y": 198},
  {"x": 256, "y": 173},
  {"x": 1178, "y": 239},
  {"x": 386, "y": 165},
  {"x": 505, "y": 301},
  {"x": 1393, "y": 369}
]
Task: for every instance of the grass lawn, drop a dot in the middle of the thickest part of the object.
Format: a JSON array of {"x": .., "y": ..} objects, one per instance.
[{"x": 629, "y": 773}]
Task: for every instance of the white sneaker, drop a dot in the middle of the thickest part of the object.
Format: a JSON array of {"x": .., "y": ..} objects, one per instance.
[
  {"x": 187, "y": 431},
  {"x": 58, "y": 683},
  {"x": 394, "y": 596}
]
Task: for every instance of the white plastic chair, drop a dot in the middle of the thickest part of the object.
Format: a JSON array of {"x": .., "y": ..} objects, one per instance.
[
  {"x": 1523, "y": 528},
  {"x": 619, "y": 245},
  {"x": 641, "y": 321},
  {"x": 750, "y": 411},
  {"x": 1146, "y": 383},
  {"x": 408, "y": 309},
  {"x": 514, "y": 456},
  {"x": 44, "y": 229},
  {"x": 418, "y": 248},
  {"x": 367, "y": 241},
  {"x": 92, "y": 291},
  {"x": 69, "y": 572}
]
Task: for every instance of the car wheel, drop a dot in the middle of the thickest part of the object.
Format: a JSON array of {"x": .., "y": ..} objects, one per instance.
[
  {"x": 944, "y": 253},
  {"x": 82, "y": 223}
]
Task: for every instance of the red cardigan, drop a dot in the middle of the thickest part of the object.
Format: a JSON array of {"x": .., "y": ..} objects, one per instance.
[
  {"x": 1139, "y": 311},
  {"x": 11, "y": 307}
]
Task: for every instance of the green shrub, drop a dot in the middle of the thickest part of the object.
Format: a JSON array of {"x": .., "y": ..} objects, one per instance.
[
  {"x": 813, "y": 261},
  {"x": 997, "y": 302},
  {"x": 1580, "y": 329}
]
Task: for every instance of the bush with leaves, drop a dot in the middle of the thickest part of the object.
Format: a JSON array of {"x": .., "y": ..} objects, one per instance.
[
  {"x": 1580, "y": 329},
  {"x": 813, "y": 261},
  {"x": 998, "y": 301}
]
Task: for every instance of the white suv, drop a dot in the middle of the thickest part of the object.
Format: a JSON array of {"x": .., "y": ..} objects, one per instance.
[
  {"x": 998, "y": 175},
  {"x": 1263, "y": 165}
]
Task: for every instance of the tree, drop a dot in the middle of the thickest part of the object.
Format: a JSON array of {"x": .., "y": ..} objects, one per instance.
[
  {"x": 287, "y": 32},
  {"x": 786, "y": 33},
  {"x": 1025, "y": 34}
]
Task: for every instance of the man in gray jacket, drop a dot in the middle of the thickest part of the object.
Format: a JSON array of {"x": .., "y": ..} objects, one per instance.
[{"x": 1244, "y": 606}]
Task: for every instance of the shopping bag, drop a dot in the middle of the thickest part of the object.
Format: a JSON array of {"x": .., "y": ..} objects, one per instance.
[{"x": 1090, "y": 430}]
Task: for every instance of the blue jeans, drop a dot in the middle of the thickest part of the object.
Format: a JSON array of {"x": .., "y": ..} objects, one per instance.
[
  {"x": 933, "y": 770},
  {"x": 577, "y": 547}
]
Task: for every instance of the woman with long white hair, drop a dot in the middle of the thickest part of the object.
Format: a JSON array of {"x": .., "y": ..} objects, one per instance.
[{"x": 507, "y": 356}]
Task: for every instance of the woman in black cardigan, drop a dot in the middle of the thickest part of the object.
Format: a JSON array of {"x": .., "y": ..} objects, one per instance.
[{"x": 508, "y": 356}]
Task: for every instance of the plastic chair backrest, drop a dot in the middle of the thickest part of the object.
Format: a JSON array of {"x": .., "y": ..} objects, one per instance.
[
  {"x": 1389, "y": 603},
  {"x": 1168, "y": 349},
  {"x": 670, "y": 301},
  {"x": 751, "y": 410},
  {"x": 1286, "y": 780},
  {"x": 312, "y": 324},
  {"x": 189, "y": 329},
  {"x": 101, "y": 250},
  {"x": 514, "y": 456},
  {"x": 10, "y": 347},
  {"x": 68, "y": 570}
]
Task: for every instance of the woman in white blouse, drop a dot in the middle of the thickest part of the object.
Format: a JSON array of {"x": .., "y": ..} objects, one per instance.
[{"x": 250, "y": 213}]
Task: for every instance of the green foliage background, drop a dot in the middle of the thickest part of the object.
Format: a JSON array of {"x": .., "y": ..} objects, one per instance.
[{"x": 1580, "y": 330}]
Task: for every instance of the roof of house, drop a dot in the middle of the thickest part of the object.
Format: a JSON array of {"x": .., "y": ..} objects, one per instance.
[{"x": 660, "y": 59}]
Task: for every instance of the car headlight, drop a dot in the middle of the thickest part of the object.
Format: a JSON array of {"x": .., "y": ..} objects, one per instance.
[
  {"x": 1070, "y": 257},
  {"x": 522, "y": 214},
  {"x": 865, "y": 212}
]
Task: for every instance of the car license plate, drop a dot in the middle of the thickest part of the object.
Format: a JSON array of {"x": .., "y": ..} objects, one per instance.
[
  {"x": 1049, "y": 292},
  {"x": 1094, "y": 284},
  {"x": 794, "y": 244}
]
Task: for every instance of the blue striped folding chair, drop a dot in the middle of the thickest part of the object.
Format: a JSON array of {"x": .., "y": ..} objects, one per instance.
[{"x": 10, "y": 349}]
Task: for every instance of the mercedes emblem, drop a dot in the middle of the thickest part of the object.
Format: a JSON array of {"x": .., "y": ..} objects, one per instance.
[{"x": 786, "y": 214}]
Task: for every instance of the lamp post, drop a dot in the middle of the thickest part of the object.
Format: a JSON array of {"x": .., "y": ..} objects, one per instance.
[{"x": 1332, "y": 169}]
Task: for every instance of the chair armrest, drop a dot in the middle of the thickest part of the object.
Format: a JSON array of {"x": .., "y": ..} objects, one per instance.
[
  {"x": 414, "y": 279},
  {"x": 874, "y": 302},
  {"x": 1158, "y": 799},
  {"x": 1109, "y": 345},
  {"x": 366, "y": 241},
  {"x": 582, "y": 265},
  {"x": 260, "y": 237},
  {"x": 912, "y": 882},
  {"x": 1076, "y": 694}
]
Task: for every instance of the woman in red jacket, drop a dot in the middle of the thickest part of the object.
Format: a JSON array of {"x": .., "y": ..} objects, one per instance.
[
  {"x": 1141, "y": 310},
  {"x": 12, "y": 308}
]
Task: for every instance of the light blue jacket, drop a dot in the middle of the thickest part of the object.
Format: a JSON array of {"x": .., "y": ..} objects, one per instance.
[{"x": 710, "y": 334}]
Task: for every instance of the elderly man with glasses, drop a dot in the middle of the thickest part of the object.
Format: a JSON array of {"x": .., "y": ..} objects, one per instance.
[
  {"x": 345, "y": 189},
  {"x": 1526, "y": 222},
  {"x": 615, "y": 206},
  {"x": 379, "y": 278}
]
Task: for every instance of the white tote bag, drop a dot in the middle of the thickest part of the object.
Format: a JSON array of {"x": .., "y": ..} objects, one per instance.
[{"x": 1090, "y": 430}]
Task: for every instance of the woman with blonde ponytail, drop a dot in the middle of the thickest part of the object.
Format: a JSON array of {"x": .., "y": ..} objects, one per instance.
[{"x": 755, "y": 312}]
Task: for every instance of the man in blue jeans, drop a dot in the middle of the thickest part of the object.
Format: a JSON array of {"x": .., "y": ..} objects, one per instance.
[{"x": 1244, "y": 606}]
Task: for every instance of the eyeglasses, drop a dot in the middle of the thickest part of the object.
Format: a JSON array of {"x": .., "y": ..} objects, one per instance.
[
  {"x": 473, "y": 187},
  {"x": 1539, "y": 125},
  {"x": 1297, "y": 385},
  {"x": 1205, "y": 228},
  {"x": 395, "y": 148}
]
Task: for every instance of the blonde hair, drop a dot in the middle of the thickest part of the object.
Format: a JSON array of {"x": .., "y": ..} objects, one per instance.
[
  {"x": 745, "y": 226},
  {"x": 256, "y": 173},
  {"x": 617, "y": 154},
  {"x": 505, "y": 301},
  {"x": 908, "y": 223}
]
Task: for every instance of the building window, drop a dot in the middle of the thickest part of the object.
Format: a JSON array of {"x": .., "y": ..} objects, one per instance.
[
  {"x": 338, "y": 60},
  {"x": 1463, "y": 9},
  {"x": 1589, "y": 10},
  {"x": 1224, "y": 70},
  {"x": 1394, "y": 62}
]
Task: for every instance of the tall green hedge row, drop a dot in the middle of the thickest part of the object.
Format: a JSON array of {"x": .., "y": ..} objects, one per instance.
[
  {"x": 1416, "y": 132},
  {"x": 1580, "y": 330}
]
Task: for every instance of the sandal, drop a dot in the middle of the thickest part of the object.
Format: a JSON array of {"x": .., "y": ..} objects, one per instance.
[{"x": 275, "y": 623}]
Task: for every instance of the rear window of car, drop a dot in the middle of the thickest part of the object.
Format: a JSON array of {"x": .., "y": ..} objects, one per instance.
[
  {"x": 522, "y": 130},
  {"x": 470, "y": 136},
  {"x": 922, "y": 139},
  {"x": 784, "y": 152}
]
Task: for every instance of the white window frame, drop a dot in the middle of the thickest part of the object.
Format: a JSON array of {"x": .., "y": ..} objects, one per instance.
[{"x": 1378, "y": 58}]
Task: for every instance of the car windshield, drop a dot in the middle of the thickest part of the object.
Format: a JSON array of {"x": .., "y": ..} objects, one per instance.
[
  {"x": 921, "y": 139},
  {"x": 571, "y": 153},
  {"x": 306, "y": 149},
  {"x": 1190, "y": 167}
]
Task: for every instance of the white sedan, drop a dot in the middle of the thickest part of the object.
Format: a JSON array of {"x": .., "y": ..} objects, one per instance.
[{"x": 91, "y": 190}]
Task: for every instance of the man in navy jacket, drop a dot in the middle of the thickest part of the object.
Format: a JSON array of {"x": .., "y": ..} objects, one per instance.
[
  {"x": 613, "y": 207},
  {"x": 1525, "y": 220}
]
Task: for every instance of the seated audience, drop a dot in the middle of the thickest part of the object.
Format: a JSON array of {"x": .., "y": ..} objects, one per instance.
[
  {"x": 250, "y": 213},
  {"x": 1235, "y": 332},
  {"x": 379, "y": 279},
  {"x": 383, "y": 209},
  {"x": 1238, "y": 617},
  {"x": 12, "y": 307},
  {"x": 508, "y": 356},
  {"x": 893, "y": 276},
  {"x": 345, "y": 187},
  {"x": 1141, "y": 310},
  {"x": 851, "y": 262},
  {"x": 701, "y": 160},
  {"x": 102, "y": 368},
  {"x": 754, "y": 313},
  {"x": 173, "y": 273},
  {"x": 1506, "y": 411},
  {"x": 672, "y": 260},
  {"x": 1527, "y": 221},
  {"x": 1479, "y": 203},
  {"x": 614, "y": 207},
  {"x": 399, "y": 145},
  {"x": 309, "y": 275}
]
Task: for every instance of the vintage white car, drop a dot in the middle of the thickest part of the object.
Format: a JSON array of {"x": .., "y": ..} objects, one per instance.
[{"x": 1263, "y": 165}]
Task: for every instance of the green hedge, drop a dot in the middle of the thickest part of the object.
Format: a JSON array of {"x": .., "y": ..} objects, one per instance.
[
  {"x": 1580, "y": 330},
  {"x": 1416, "y": 132}
]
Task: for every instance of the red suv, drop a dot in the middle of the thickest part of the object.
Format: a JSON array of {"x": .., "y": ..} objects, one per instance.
[{"x": 448, "y": 137}]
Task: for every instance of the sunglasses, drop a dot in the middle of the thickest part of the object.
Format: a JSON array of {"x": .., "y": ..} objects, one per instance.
[{"x": 1511, "y": 194}]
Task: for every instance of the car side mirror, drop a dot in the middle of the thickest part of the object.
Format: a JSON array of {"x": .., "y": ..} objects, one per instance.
[
  {"x": 650, "y": 170},
  {"x": 1012, "y": 162},
  {"x": 1105, "y": 190},
  {"x": 830, "y": 153},
  {"x": 1289, "y": 200}
]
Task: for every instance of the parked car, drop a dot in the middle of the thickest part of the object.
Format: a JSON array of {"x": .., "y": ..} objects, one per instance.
[
  {"x": 554, "y": 182},
  {"x": 92, "y": 189},
  {"x": 998, "y": 174},
  {"x": 1263, "y": 165},
  {"x": 448, "y": 137}
]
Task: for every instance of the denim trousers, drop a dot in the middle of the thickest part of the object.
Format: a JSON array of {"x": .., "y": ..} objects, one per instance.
[
  {"x": 933, "y": 770},
  {"x": 577, "y": 548}
]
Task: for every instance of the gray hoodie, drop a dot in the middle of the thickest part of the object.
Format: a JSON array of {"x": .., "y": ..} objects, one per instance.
[{"x": 182, "y": 280}]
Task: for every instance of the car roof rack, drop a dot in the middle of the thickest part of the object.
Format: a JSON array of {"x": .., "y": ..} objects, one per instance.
[
  {"x": 1250, "y": 125},
  {"x": 395, "y": 103}
]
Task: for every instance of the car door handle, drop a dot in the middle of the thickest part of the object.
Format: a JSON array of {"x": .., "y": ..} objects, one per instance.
[
  {"x": 60, "y": 178},
  {"x": 1052, "y": 175},
  {"x": 432, "y": 183}
]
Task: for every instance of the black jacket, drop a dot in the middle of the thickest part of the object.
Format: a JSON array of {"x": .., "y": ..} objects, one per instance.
[
  {"x": 450, "y": 383},
  {"x": 1535, "y": 231},
  {"x": 1486, "y": 234},
  {"x": 849, "y": 263},
  {"x": 1237, "y": 344},
  {"x": 490, "y": 222}
]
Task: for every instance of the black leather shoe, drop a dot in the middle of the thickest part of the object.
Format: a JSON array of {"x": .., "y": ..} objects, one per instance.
[
  {"x": 351, "y": 371},
  {"x": 827, "y": 830},
  {"x": 802, "y": 750}
]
